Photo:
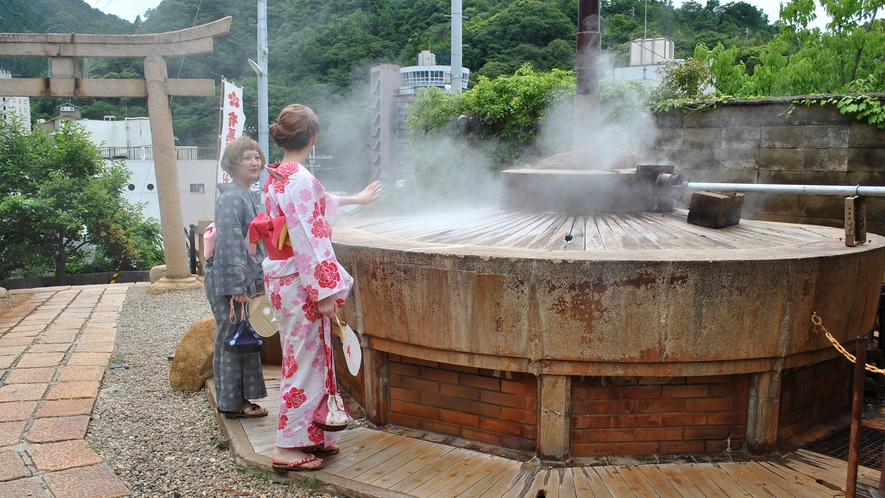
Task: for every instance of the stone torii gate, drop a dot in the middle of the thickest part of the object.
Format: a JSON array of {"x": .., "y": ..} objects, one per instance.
[{"x": 67, "y": 53}]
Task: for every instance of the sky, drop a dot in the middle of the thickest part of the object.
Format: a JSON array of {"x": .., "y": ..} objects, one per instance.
[
  {"x": 124, "y": 9},
  {"x": 128, "y": 9}
]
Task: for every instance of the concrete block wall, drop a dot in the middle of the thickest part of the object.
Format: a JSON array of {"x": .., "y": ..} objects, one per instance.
[
  {"x": 813, "y": 395},
  {"x": 493, "y": 407},
  {"x": 758, "y": 141},
  {"x": 614, "y": 416}
]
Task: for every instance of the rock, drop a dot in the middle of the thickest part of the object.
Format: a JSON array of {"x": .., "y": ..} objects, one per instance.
[
  {"x": 192, "y": 364},
  {"x": 3, "y": 293},
  {"x": 157, "y": 272}
]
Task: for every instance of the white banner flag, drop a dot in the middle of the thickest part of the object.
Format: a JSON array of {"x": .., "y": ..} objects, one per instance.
[{"x": 232, "y": 121}]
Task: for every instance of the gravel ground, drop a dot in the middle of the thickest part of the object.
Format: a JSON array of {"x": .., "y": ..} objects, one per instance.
[{"x": 161, "y": 442}]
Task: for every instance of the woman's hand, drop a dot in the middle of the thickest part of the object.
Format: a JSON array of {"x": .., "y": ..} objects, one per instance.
[
  {"x": 369, "y": 194},
  {"x": 328, "y": 307},
  {"x": 240, "y": 298}
]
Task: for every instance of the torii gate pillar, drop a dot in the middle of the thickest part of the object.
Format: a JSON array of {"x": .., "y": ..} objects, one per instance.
[{"x": 67, "y": 52}]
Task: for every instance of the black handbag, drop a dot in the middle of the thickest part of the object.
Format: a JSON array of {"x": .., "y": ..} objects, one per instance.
[{"x": 242, "y": 338}]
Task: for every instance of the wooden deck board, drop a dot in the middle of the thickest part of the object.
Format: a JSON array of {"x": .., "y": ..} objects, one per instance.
[
  {"x": 416, "y": 465},
  {"x": 464, "y": 471},
  {"x": 727, "y": 485},
  {"x": 636, "y": 481},
  {"x": 479, "y": 486},
  {"x": 680, "y": 481},
  {"x": 745, "y": 480},
  {"x": 363, "y": 450},
  {"x": 494, "y": 487},
  {"x": 589, "y": 484},
  {"x": 801, "y": 482},
  {"x": 612, "y": 479},
  {"x": 375, "y": 459},
  {"x": 394, "y": 463},
  {"x": 430, "y": 470},
  {"x": 698, "y": 477},
  {"x": 659, "y": 482},
  {"x": 773, "y": 483}
]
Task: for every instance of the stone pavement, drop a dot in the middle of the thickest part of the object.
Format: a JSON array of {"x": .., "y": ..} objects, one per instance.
[{"x": 54, "y": 350}]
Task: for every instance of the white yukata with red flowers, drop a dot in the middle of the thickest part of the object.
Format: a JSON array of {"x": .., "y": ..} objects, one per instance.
[{"x": 295, "y": 285}]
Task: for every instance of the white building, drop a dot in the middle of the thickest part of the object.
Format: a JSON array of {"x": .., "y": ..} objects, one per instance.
[
  {"x": 427, "y": 73},
  {"x": 129, "y": 140},
  {"x": 20, "y": 106},
  {"x": 647, "y": 56}
]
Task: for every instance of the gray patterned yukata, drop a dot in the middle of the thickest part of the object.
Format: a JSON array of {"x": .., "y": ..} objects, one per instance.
[{"x": 232, "y": 270}]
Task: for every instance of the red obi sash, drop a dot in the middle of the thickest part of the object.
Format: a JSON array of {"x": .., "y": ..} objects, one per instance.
[{"x": 275, "y": 233}]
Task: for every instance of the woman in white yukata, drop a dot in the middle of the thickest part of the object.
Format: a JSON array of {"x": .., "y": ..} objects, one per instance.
[{"x": 306, "y": 288}]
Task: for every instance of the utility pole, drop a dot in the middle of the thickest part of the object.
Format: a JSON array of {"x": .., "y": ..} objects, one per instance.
[
  {"x": 260, "y": 68},
  {"x": 457, "y": 47}
]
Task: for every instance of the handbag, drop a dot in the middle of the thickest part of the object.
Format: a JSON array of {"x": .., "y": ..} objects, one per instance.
[
  {"x": 332, "y": 413},
  {"x": 242, "y": 338}
]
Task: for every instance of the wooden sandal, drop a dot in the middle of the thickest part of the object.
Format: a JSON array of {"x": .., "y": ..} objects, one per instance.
[
  {"x": 251, "y": 411},
  {"x": 298, "y": 464}
]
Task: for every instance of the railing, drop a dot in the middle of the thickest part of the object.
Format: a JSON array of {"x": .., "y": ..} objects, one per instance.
[{"x": 147, "y": 153}]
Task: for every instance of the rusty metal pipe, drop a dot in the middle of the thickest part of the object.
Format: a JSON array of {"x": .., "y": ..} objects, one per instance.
[
  {"x": 589, "y": 47},
  {"x": 860, "y": 353}
]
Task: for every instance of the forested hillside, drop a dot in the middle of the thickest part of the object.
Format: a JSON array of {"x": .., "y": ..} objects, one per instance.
[{"x": 321, "y": 50}]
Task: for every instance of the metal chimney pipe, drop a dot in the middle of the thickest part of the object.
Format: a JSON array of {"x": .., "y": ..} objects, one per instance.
[{"x": 457, "y": 47}]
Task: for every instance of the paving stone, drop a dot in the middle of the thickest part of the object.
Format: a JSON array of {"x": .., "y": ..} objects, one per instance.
[
  {"x": 24, "y": 488},
  {"x": 34, "y": 360},
  {"x": 97, "y": 481},
  {"x": 15, "y": 341},
  {"x": 50, "y": 348},
  {"x": 65, "y": 408},
  {"x": 11, "y": 466},
  {"x": 30, "y": 375},
  {"x": 69, "y": 374},
  {"x": 97, "y": 337},
  {"x": 7, "y": 361},
  {"x": 73, "y": 390},
  {"x": 20, "y": 410},
  {"x": 60, "y": 456},
  {"x": 96, "y": 347},
  {"x": 12, "y": 350},
  {"x": 48, "y": 430},
  {"x": 22, "y": 392},
  {"x": 88, "y": 359},
  {"x": 63, "y": 337},
  {"x": 11, "y": 432}
]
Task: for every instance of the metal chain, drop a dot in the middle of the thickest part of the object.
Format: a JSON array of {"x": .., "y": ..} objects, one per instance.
[{"x": 819, "y": 323}]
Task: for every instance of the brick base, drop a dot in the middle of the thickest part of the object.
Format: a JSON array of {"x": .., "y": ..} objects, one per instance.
[
  {"x": 645, "y": 416},
  {"x": 812, "y": 395},
  {"x": 492, "y": 407}
]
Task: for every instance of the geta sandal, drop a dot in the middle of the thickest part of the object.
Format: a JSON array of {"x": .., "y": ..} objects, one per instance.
[{"x": 298, "y": 464}]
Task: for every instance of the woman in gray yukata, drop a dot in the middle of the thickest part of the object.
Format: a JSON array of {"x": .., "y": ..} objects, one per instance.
[{"x": 234, "y": 274}]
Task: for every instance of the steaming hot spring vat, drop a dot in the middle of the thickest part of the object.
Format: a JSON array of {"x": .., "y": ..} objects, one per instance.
[{"x": 585, "y": 326}]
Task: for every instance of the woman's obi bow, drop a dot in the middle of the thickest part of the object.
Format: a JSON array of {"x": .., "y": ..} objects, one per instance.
[{"x": 275, "y": 233}]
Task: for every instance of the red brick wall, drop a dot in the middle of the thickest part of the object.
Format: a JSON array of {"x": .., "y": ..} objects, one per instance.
[
  {"x": 812, "y": 395},
  {"x": 498, "y": 408},
  {"x": 355, "y": 386},
  {"x": 645, "y": 416}
]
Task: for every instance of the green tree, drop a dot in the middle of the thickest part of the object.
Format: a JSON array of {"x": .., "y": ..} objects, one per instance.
[
  {"x": 61, "y": 205},
  {"x": 803, "y": 60}
]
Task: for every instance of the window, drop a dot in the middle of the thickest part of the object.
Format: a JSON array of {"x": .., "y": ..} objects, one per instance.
[
  {"x": 198, "y": 188},
  {"x": 150, "y": 186}
]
